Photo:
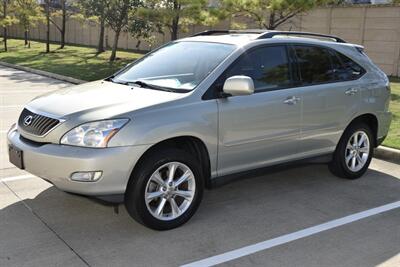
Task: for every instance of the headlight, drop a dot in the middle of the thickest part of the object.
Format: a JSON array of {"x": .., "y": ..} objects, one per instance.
[{"x": 93, "y": 134}]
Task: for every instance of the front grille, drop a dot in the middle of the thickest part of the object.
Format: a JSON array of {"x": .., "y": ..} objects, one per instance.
[{"x": 36, "y": 124}]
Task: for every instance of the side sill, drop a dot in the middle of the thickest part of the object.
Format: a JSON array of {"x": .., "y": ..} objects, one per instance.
[{"x": 225, "y": 179}]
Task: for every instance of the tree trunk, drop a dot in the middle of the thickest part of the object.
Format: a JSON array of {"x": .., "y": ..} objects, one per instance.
[
  {"x": 100, "y": 46},
  {"x": 271, "y": 24},
  {"x": 63, "y": 24},
  {"x": 5, "y": 28},
  {"x": 115, "y": 45},
  {"x": 29, "y": 38},
  {"x": 175, "y": 21},
  {"x": 47, "y": 26},
  {"x": 175, "y": 28},
  {"x": 62, "y": 42},
  {"x": 26, "y": 37},
  {"x": 5, "y": 39}
]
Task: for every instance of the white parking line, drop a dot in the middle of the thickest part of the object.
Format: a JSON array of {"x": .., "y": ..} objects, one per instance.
[
  {"x": 15, "y": 178},
  {"x": 245, "y": 251}
]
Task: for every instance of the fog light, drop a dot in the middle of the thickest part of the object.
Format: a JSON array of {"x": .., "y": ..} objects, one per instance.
[{"x": 86, "y": 176}]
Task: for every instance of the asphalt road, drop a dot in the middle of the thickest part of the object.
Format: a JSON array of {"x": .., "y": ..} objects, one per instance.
[{"x": 42, "y": 226}]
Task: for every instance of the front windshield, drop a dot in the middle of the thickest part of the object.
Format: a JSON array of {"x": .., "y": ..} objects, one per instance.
[{"x": 179, "y": 65}]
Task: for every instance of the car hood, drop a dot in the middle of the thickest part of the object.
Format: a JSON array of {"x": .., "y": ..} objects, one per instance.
[{"x": 98, "y": 100}]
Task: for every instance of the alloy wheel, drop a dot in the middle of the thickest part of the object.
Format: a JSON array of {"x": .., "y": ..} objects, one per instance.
[
  {"x": 357, "y": 151},
  {"x": 170, "y": 191}
]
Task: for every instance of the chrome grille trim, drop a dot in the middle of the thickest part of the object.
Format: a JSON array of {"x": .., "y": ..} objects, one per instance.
[{"x": 40, "y": 125}]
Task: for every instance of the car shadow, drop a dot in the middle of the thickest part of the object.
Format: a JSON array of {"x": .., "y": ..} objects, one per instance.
[{"x": 231, "y": 216}]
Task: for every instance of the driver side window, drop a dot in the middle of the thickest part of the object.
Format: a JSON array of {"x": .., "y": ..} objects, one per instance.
[{"x": 267, "y": 66}]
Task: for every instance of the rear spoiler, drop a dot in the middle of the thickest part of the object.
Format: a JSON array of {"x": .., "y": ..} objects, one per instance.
[{"x": 360, "y": 48}]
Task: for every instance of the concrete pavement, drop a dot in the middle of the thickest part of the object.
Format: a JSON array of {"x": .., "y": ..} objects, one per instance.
[{"x": 42, "y": 226}]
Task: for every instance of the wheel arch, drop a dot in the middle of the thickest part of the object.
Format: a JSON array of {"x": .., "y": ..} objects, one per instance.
[
  {"x": 190, "y": 144},
  {"x": 371, "y": 120}
]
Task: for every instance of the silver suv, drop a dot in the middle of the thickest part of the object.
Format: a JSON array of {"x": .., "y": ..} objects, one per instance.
[{"x": 199, "y": 110}]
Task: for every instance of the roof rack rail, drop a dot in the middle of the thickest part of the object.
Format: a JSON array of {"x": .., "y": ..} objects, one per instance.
[
  {"x": 212, "y": 32},
  {"x": 270, "y": 34},
  {"x": 264, "y": 34}
]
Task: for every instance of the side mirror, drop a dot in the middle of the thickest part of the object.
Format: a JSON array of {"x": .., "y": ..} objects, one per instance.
[{"x": 239, "y": 85}]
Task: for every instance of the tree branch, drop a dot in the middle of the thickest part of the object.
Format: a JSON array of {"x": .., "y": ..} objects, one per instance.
[
  {"x": 55, "y": 24},
  {"x": 258, "y": 17},
  {"x": 283, "y": 18}
]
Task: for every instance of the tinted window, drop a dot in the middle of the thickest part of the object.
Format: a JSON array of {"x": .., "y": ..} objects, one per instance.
[
  {"x": 349, "y": 70},
  {"x": 267, "y": 66},
  {"x": 314, "y": 64}
]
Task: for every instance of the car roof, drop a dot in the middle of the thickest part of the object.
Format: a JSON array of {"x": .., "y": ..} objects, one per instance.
[{"x": 240, "y": 38}]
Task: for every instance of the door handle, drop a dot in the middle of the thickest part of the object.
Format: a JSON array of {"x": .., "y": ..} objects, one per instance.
[
  {"x": 351, "y": 91},
  {"x": 292, "y": 100}
]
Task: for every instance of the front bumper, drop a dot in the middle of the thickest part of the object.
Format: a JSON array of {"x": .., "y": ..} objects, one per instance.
[{"x": 56, "y": 163}]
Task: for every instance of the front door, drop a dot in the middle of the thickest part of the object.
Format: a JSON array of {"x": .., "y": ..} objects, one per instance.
[{"x": 264, "y": 128}]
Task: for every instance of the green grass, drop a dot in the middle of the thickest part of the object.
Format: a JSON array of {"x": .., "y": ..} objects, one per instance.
[
  {"x": 85, "y": 64},
  {"x": 393, "y": 139},
  {"x": 75, "y": 61}
]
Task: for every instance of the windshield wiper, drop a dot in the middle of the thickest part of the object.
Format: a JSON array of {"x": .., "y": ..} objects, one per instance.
[
  {"x": 143, "y": 84},
  {"x": 111, "y": 79},
  {"x": 150, "y": 86}
]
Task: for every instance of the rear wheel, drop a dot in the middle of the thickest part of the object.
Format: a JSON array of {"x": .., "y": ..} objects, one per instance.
[
  {"x": 166, "y": 190},
  {"x": 353, "y": 153}
]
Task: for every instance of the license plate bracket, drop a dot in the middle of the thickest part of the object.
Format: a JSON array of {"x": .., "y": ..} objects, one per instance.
[{"x": 15, "y": 156}]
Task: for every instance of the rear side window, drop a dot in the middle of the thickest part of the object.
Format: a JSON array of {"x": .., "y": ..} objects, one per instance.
[
  {"x": 349, "y": 70},
  {"x": 314, "y": 64},
  {"x": 321, "y": 65},
  {"x": 267, "y": 66}
]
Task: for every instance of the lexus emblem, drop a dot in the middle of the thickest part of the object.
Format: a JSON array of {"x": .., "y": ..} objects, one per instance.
[{"x": 28, "y": 120}]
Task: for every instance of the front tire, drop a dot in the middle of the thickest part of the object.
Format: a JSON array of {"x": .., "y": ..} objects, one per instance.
[
  {"x": 166, "y": 190},
  {"x": 354, "y": 152}
]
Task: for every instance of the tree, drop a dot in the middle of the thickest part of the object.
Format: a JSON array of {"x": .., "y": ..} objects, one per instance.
[
  {"x": 7, "y": 18},
  {"x": 47, "y": 15},
  {"x": 116, "y": 17},
  {"x": 96, "y": 9},
  {"x": 142, "y": 28},
  {"x": 268, "y": 14},
  {"x": 175, "y": 15},
  {"x": 65, "y": 10},
  {"x": 29, "y": 13}
]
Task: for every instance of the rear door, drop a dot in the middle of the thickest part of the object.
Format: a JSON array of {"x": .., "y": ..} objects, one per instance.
[
  {"x": 262, "y": 128},
  {"x": 330, "y": 97}
]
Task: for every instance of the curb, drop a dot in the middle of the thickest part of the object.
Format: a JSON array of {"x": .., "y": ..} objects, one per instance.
[
  {"x": 387, "y": 153},
  {"x": 43, "y": 73}
]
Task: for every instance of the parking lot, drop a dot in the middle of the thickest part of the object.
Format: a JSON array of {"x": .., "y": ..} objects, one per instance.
[{"x": 261, "y": 217}]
